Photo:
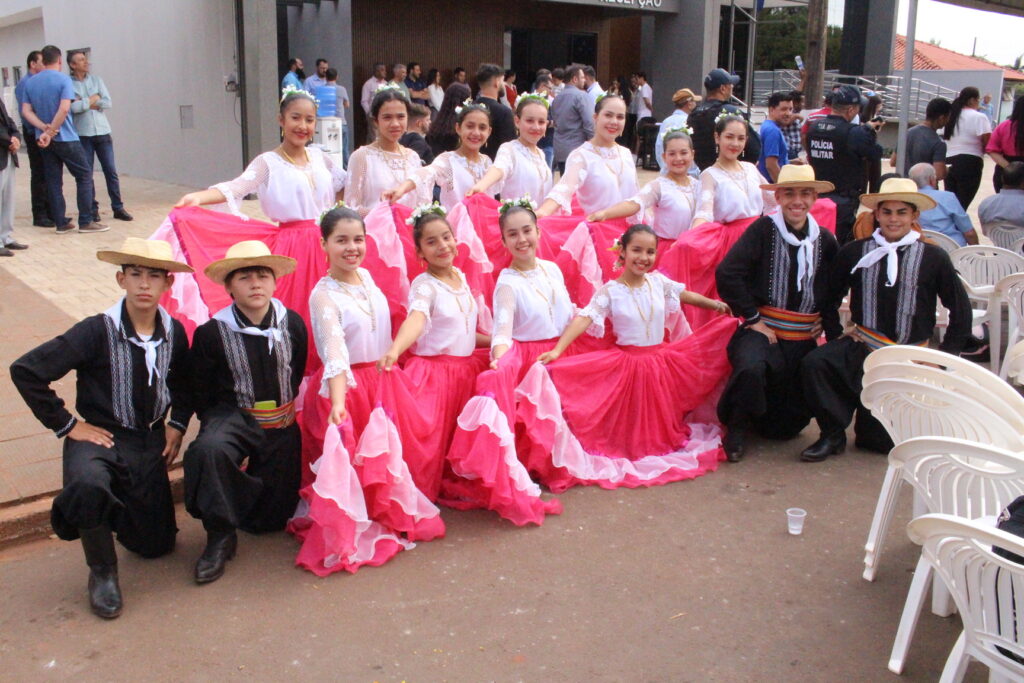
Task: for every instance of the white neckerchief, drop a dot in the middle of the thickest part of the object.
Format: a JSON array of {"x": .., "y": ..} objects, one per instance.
[
  {"x": 805, "y": 247},
  {"x": 272, "y": 333},
  {"x": 886, "y": 250},
  {"x": 149, "y": 347}
]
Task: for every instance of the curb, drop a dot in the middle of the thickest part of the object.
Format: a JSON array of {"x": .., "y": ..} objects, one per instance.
[{"x": 30, "y": 521}]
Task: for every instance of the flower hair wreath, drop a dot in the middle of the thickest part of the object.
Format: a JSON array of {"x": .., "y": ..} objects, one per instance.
[
  {"x": 468, "y": 103},
  {"x": 616, "y": 245},
  {"x": 425, "y": 209},
  {"x": 337, "y": 205},
  {"x": 388, "y": 86},
  {"x": 292, "y": 90},
  {"x": 726, "y": 114},
  {"x": 680, "y": 129},
  {"x": 525, "y": 202},
  {"x": 532, "y": 96}
]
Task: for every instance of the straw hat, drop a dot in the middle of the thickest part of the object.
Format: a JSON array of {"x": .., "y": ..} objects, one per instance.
[
  {"x": 898, "y": 190},
  {"x": 248, "y": 254},
  {"x": 799, "y": 175},
  {"x": 136, "y": 251},
  {"x": 684, "y": 95}
]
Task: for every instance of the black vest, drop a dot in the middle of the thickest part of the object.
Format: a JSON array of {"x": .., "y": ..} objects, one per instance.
[
  {"x": 702, "y": 121},
  {"x": 830, "y": 157}
]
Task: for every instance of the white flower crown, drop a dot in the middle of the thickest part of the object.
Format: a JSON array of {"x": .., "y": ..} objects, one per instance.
[
  {"x": 468, "y": 103},
  {"x": 337, "y": 205},
  {"x": 525, "y": 201},
  {"x": 292, "y": 90},
  {"x": 424, "y": 209},
  {"x": 724, "y": 114},
  {"x": 387, "y": 86},
  {"x": 535, "y": 96},
  {"x": 678, "y": 129}
]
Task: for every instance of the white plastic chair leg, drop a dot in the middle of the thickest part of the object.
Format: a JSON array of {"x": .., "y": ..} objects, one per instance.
[
  {"x": 920, "y": 506},
  {"x": 956, "y": 663},
  {"x": 911, "y": 611},
  {"x": 880, "y": 522},
  {"x": 942, "y": 601},
  {"x": 995, "y": 332},
  {"x": 999, "y": 677}
]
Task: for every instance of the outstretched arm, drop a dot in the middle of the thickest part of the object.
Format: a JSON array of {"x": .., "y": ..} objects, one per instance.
[
  {"x": 407, "y": 335},
  {"x": 577, "y": 327}
]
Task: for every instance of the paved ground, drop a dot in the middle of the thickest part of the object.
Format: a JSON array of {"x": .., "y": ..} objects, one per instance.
[{"x": 694, "y": 581}]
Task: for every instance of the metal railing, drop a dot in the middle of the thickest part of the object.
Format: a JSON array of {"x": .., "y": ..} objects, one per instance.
[{"x": 887, "y": 87}]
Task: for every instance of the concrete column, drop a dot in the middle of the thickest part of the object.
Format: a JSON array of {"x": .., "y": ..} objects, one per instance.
[
  {"x": 260, "y": 85},
  {"x": 679, "y": 50},
  {"x": 869, "y": 32}
]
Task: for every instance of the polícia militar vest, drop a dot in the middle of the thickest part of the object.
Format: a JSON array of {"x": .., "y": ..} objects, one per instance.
[{"x": 829, "y": 155}]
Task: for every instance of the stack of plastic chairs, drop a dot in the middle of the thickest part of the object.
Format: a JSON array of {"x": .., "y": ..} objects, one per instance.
[{"x": 980, "y": 268}]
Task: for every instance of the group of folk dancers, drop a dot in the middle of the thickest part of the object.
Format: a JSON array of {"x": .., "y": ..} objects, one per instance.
[{"x": 605, "y": 352}]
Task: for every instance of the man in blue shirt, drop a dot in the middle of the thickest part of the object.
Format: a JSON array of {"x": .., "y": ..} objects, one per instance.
[
  {"x": 92, "y": 99},
  {"x": 48, "y": 107},
  {"x": 948, "y": 217},
  {"x": 41, "y": 216},
  {"x": 774, "y": 151},
  {"x": 294, "y": 76},
  {"x": 318, "y": 79}
]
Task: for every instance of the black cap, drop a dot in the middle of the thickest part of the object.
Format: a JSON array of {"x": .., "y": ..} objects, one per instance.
[
  {"x": 716, "y": 78},
  {"x": 847, "y": 94}
]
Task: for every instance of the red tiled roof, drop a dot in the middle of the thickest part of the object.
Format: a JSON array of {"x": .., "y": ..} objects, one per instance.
[{"x": 928, "y": 57}]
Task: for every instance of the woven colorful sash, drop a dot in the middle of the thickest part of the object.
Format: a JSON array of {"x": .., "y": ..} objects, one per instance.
[
  {"x": 273, "y": 418},
  {"x": 876, "y": 340},
  {"x": 789, "y": 325}
]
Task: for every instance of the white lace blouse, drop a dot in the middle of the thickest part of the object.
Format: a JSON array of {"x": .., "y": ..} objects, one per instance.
[
  {"x": 371, "y": 171},
  {"x": 531, "y": 305},
  {"x": 523, "y": 172},
  {"x": 454, "y": 174},
  {"x": 637, "y": 313},
  {"x": 726, "y": 196},
  {"x": 351, "y": 324},
  {"x": 451, "y": 316},
  {"x": 672, "y": 204},
  {"x": 287, "y": 192},
  {"x": 599, "y": 176}
]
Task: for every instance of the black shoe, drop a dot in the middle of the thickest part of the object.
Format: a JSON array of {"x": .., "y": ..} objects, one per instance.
[
  {"x": 825, "y": 446},
  {"x": 18, "y": 246},
  {"x": 104, "y": 591},
  {"x": 4, "y": 251},
  {"x": 734, "y": 445},
  {"x": 122, "y": 215},
  {"x": 43, "y": 223},
  {"x": 220, "y": 547},
  {"x": 67, "y": 229}
]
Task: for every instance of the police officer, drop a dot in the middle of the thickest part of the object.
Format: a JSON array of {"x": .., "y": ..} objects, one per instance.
[
  {"x": 718, "y": 84},
  {"x": 843, "y": 153}
]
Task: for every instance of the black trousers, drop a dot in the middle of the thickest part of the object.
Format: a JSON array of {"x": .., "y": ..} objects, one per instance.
[
  {"x": 831, "y": 376},
  {"x": 260, "y": 497},
  {"x": 124, "y": 487},
  {"x": 37, "y": 178},
  {"x": 964, "y": 177},
  {"x": 764, "y": 390},
  {"x": 846, "y": 216}
]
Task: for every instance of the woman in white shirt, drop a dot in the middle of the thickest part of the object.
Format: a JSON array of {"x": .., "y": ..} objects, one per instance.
[
  {"x": 622, "y": 416},
  {"x": 295, "y": 184},
  {"x": 435, "y": 89},
  {"x": 520, "y": 165},
  {"x": 441, "y": 330},
  {"x": 351, "y": 327},
  {"x": 966, "y": 133}
]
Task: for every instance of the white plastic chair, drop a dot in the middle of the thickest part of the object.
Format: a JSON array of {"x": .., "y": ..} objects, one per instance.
[
  {"x": 1013, "y": 364},
  {"x": 981, "y": 267},
  {"x": 1003, "y": 235},
  {"x": 953, "y": 477},
  {"x": 1009, "y": 290},
  {"x": 1018, "y": 246},
  {"x": 988, "y": 591},
  {"x": 948, "y": 244}
]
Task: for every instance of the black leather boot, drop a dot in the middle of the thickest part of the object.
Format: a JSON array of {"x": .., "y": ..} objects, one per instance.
[
  {"x": 220, "y": 547},
  {"x": 734, "y": 443},
  {"x": 100, "y": 555},
  {"x": 826, "y": 445}
]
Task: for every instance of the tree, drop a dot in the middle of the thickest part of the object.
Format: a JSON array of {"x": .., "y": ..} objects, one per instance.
[{"x": 782, "y": 34}]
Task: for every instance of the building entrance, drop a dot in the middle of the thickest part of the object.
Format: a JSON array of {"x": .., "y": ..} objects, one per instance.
[{"x": 533, "y": 49}]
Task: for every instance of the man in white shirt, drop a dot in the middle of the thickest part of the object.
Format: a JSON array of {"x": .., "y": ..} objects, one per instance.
[
  {"x": 375, "y": 81},
  {"x": 592, "y": 87},
  {"x": 645, "y": 97}
]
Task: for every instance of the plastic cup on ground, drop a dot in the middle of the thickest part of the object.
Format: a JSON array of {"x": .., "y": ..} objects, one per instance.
[{"x": 795, "y": 519}]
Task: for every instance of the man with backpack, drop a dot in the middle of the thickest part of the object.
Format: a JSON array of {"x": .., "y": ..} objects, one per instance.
[{"x": 719, "y": 84}]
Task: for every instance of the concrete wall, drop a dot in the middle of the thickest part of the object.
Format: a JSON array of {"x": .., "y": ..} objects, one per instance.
[
  {"x": 16, "y": 41},
  {"x": 154, "y": 57},
  {"x": 325, "y": 31}
]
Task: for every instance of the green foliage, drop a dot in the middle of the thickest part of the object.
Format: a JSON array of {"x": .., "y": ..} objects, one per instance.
[{"x": 783, "y": 35}]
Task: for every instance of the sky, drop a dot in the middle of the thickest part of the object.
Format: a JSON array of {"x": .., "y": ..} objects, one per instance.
[{"x": 955, "y": 28}]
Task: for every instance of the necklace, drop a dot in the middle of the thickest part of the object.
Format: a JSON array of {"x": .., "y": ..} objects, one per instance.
[
  {"x": 547, "y": 300},
  {"x": 687, "y": 192},
  {"x": 605, "y": 153},
  {"x": 306, "y": 170},
  {"x": 393, "y": 161},
  {"x": 476, "y": 169},
  {"x": 537, "y": 159},
  {"x": 369, "y": 311},
  {"x": 732, "y": 176},
  {"x": 636, "y": 301},
  {"x": 466, "y": 312}
]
